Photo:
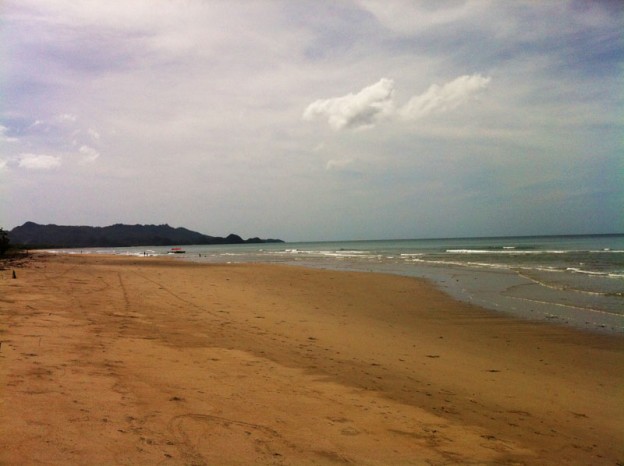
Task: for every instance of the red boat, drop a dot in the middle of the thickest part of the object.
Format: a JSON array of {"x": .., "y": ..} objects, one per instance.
[{"x": 176, "y": 251}]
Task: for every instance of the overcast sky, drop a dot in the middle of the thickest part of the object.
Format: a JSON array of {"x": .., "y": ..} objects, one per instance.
[{"x": 314, "y": 120}]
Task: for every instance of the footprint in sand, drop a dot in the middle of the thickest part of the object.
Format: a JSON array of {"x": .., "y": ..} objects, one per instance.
[{"x": 199, "y": 437}]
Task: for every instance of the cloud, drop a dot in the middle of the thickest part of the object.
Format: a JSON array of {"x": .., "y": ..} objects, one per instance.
[
  {"x": 4, "y": 137},
  {"x": 374, "y": 103},
  {"x": 359, "y": 110},
  {"x": 3, "y": 164},
  {"x": 338, "y": 164},
  {"x": 67, "y": 117},
  {"x": 89, "y": 154},
  {"x": 444, "y": 98},
  {"x": 407, "y": 16},
  {"x": 38, "y": 161}
]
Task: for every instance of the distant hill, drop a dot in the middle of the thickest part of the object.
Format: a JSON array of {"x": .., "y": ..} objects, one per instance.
[{"x": 33, "y": 235}]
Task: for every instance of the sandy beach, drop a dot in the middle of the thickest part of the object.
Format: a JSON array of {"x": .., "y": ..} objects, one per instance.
[{"x": 117, "y": 360}]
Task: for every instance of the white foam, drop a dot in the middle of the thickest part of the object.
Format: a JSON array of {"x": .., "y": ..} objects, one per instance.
[
  {"x": 589, "y": 272},
  {"x": 505, "y": 251}
]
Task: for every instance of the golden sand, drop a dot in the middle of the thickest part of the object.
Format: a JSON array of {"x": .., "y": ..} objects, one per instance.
[{"x": 111, "y": 360}]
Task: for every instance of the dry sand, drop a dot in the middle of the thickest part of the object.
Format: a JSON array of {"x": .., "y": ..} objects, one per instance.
[{"x": 109, "y": 360}]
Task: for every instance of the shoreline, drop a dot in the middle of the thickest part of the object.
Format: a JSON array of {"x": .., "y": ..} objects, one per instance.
[
  {"x": 546, "y": 292},
  {"x": 464, "y": 284},
  {"x": 117, "y": 359}
]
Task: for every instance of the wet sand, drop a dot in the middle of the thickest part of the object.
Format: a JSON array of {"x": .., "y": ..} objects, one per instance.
[{"x": 113, "y": 360}]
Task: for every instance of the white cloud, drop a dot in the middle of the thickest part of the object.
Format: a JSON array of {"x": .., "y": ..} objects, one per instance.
[
  {"x": 4, "y": 137},
  {"x": 67, "y": 117},
  {"x": 444, "y": 98},
  {"x": 338, "y": 164},
  {"x": 407, "y": 16},
  {"x": 38, "y": 161},
  {"x": 359, "y": 110},
  {"x": 319, "y": 147},
  {"x": 374, "y": 103},
  {"x": 94, "y": 134},
  {"x": 3, "y": 164},
  {"x": 89, "y": 154}
]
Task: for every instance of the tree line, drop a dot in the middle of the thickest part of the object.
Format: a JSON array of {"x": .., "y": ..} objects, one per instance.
[{"x": 5, "y": 243}]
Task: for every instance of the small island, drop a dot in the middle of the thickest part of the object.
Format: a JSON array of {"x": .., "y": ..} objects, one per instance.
[{"x": 33, "y": 235}]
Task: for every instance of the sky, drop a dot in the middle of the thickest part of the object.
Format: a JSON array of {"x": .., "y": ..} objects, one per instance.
[{"x": 314, "y": 120}]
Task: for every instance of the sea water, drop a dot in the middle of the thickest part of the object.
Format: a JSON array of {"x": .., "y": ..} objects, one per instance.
[{"x": 575, "y": 280}]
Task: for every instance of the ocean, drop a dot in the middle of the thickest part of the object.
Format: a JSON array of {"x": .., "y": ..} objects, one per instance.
[{"x": 573, "y": 280}]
